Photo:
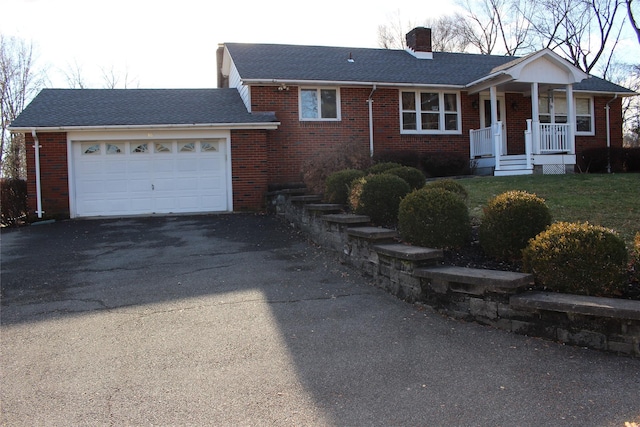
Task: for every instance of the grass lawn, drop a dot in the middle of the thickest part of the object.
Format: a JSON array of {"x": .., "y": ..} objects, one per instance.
[{"x": 612, "y": 200}]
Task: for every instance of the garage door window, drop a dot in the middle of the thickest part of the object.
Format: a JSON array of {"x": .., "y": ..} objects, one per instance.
[
  {"x": 115, "y": 148},
  {"x": 187, "y": 147},
  {"x": 208, "y": 146},
  {"x": 163, "y": 147},
  {"x": 140, "y": 148},
  {"x": 90, "y": 148}
]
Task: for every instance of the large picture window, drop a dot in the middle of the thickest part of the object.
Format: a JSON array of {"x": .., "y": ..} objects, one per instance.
[
  {"x": 430, "y": 112},
  {"x": 553, "y": 109},
  {"x": 319, "y": 104}
]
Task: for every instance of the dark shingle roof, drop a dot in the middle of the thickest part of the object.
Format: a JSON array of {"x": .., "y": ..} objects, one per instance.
[
  {"x": 320, "y": 63},
  {"x": 266, "y": 62},
  {"x": 135, "y": 107}
]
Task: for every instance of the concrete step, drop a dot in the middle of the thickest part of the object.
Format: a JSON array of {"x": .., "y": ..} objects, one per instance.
[{"x": 513, "y": 172}]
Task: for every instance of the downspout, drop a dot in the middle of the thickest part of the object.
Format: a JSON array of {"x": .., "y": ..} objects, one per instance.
[
  {"x": 370, "y": 102},
  {"x": 607, "y": 108},
  {"x": 39, "y": 210}
]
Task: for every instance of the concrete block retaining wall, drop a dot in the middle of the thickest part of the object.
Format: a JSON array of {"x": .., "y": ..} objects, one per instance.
[{"x": 494, "y": 298}]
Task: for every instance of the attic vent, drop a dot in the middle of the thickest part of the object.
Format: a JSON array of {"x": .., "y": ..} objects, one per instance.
[{"x": 419, "y": 43}]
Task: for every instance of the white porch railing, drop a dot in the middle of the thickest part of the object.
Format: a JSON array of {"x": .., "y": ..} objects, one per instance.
[
  {"x": 553, "y": 138},
  {"x": 481, "y": 142}
]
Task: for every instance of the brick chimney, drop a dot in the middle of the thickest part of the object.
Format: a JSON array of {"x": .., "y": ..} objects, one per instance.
[{"x": 419, "y": 43}]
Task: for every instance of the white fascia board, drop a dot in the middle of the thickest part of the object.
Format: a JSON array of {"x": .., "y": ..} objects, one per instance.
[
  {"x": 345, "y": 83},
  {"x": 486, "y": 82},
  {"x": 217, "y": 126},
  {"x": 226, "y": 62}
]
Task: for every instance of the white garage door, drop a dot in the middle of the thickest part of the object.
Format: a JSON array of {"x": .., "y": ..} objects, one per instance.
[{"x": 147, "y": 177}]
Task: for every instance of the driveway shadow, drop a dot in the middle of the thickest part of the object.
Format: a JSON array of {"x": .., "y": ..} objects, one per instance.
[{"x": 238, "y": 320}]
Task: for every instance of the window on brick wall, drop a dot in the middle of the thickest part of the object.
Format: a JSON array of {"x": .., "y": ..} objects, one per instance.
[
  {"x": 430, "y": 112},
  {"x": 319, "y": 104}
]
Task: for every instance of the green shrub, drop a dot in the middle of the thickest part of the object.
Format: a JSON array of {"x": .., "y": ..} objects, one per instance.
[
  {"x": 510, "y": 220},
  {"x": 378, "y": 197},
  {"x": 338, "y": 185},
  {"x": 403, "y": 157},
  {"x": 634, "y": 265},
  {"x": 449, "y": 185},
  {"x": 445, "y": 164},
  {"x": 434, "y": 218},
  {"x": 382, "y": 167},
  {"x": 414, "y": 177},
  {"x": 577, "y": 258}
]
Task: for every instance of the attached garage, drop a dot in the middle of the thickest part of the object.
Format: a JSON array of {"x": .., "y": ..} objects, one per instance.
[
  {"x": 109, "y": 152},
  {"x": 149, "y": 177}
]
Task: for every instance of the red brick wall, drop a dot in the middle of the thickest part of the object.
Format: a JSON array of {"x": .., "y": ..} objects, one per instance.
[
  {"x": 294, "y": 142},
  {"x": 53, "y": 174},
  {"x": 600, "y": 139},
  {"x": 249, "y": 169}
]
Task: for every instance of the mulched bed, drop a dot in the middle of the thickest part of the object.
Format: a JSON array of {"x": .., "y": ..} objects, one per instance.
[{"x": 473, "y": 256}]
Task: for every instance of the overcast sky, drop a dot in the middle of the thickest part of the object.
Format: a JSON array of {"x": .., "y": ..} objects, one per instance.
[{"x": 172, "y": 44}]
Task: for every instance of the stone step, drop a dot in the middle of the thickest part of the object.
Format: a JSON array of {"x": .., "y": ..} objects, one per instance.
[
  {"x": 475, "y": 281},
  {"x": 346, "y": 218},
  {"x": 578, "y": 304},
  {"x": 324, "y": 207},
  {"x": 372, "y": 233},
  {"x": 309, "y": 198},
  {"x": 409, "y": 253}
]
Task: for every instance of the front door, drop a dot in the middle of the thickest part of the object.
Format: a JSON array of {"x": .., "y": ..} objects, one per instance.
[{"x": 485, "y": 117}]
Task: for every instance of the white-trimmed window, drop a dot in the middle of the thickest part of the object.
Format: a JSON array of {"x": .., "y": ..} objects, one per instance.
[
  {"x": 553, "y": 109},
  {"x": 429, "y": 112},
  {"x": 319, "y": 104}
]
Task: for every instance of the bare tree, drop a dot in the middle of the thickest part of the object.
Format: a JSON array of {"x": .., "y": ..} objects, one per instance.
[
  {"x": 585, "y": 31},
  {"x": 392, "y": 35},
  {"x": 111, "y": 78},
  {"x": 75, "y": 76},
  {"x": 496, "y": 26},
  {"x": 19, "y": 82},
  {"x": 446, "y": 30},
  {"x": 633, "y": 18},
  {"x": 480, "y": 28}
]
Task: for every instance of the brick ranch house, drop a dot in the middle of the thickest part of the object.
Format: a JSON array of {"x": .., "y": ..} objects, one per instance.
[{"x": 112, "y": 152}]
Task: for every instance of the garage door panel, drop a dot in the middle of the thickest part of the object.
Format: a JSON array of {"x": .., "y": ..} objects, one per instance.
[{"x": 122, "y": 182}]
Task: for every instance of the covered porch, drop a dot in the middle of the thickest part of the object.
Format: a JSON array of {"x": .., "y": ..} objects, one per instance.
[{"x": 530, "y": 137}]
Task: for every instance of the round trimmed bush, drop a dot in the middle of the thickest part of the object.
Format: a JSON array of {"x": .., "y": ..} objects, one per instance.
[
  {"x": 577, "y": 258},
  {"x": 510, "y": 220},
  {"x": 434, "y": 218},
  {"x": 382, "y": 167},
  {"x": 338, "y": 185},
  {"x": 414, "y": 177},
  {"x": 449, "y": 185},
  {"x": 378, "y": 197}
]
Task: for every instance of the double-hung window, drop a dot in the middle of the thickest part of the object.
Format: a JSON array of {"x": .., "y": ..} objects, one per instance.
[
  {"x": 319, "y": 104},
  {"x": 430, "y": 112},
  {"x": 553, "y": 109}
]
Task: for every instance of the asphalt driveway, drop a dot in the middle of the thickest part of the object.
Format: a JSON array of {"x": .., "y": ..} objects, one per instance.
[{"x": 237, "y": 320}]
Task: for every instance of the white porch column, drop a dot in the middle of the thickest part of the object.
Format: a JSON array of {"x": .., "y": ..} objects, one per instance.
[
  {"x": 495, "y": 126},
  {"x": 535, "y": 118},
  {"x": 571, "y": 119}
]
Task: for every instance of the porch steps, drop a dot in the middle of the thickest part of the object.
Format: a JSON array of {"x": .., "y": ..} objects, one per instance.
[{"x": 513, "y": 165}]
